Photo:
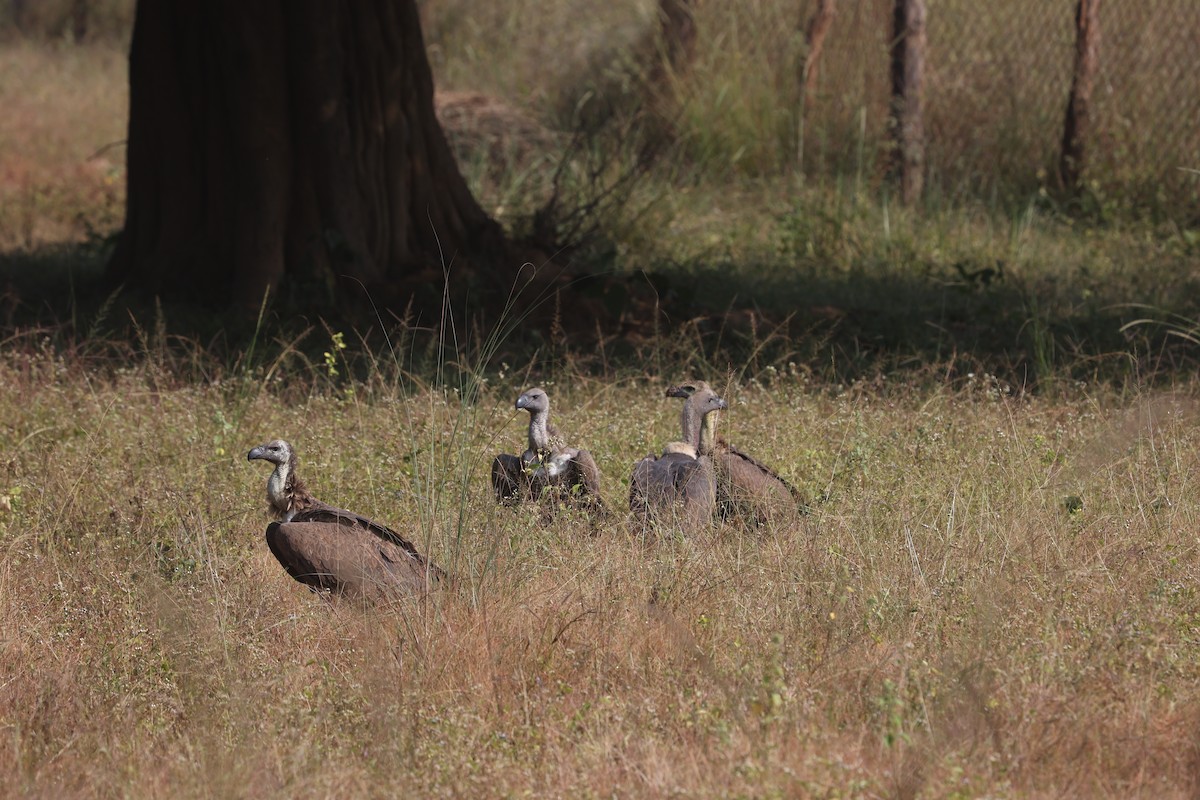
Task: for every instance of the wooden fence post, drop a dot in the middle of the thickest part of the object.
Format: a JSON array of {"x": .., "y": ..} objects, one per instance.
[
  {"x": 1078, "y": 121},
  {"x": 815, "y": 31},
  {"x": 908, "y": 83}
]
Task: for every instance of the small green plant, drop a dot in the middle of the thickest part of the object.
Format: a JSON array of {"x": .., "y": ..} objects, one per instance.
[
  {"x": 892, "y": 709},
  {"x": 337, "y": 343}
]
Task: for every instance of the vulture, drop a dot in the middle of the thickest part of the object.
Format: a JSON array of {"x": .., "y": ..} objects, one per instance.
[
  {"x": 331, "y": 548},
  {"x": 548, "y": 469},
  {"x": 680, "y": 483},
  {"x": 746, "y": 487}
]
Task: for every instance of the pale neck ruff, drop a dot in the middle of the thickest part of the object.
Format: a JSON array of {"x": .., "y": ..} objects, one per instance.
[{"x": 277, "y": 487}]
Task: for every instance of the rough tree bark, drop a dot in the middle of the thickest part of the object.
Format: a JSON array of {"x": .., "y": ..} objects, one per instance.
[
  {"x": 908, "y": 85},
  {"x": 1078, "y": 120},
  {"x": 290, "y": 141},
  {"x": 79, "y": 20},
  {"x": 815, "y": 32},
  {"x": 677, "y": 23}
]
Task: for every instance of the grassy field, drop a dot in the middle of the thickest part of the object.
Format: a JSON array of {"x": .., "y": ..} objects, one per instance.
[
  {"x": 60, "y": 181},
  {"x": 989, "y": 406},
  {"x": 993, "y": 595}
]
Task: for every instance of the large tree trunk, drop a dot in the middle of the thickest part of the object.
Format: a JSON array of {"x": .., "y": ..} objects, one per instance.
[
  {"x": 79, "y": 20},
  {"x": 1077, "y": 124},
  {"x": 290, "y": 143}
]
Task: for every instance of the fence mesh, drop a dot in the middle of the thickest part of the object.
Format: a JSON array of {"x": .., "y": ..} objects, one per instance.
[
  {"x": 998, "y": 77},
  {"x": 1148, "y": 96}
]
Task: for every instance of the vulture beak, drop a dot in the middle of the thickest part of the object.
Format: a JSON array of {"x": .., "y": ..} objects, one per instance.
[
  {"x": 721, "y": 403},
  {"x": 522, "y": 401},
  {"x": 257, "y": 452}
]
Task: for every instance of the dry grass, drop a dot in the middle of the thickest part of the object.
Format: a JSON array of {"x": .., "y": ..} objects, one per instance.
[
  {"x": 62, "y": 154},
  {"x": 940, "y": 625}
]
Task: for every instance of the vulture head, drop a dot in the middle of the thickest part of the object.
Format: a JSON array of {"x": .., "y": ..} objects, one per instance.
[
  {"x": 687, "y": 389},
  {"x": 708, "y": 425},
  {"x": 542, "y": 436},
  {"x": 534, "y": 401},
  {"x": 707, "y": 402},
  {"x": 282, "y": 484},
  {"x": 277, "y": 452},
  {"x": 698, "y": 420}
]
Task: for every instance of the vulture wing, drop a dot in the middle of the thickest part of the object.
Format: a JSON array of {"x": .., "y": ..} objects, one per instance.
[
  {"x": 349, "y": 560},
  {"x": 576, "y": 475},
  {"x": 696, "y": 487},
  {"x": 509, "y": 480},
  {"x": 640, "y": 481},
  {"x": 658, "y": 484},
  {"x": 762, "y": 468},
  {"x": 586, "y": 474},
  {"x": 751, "y": 489},
  {"x": 328, "y": 514}
]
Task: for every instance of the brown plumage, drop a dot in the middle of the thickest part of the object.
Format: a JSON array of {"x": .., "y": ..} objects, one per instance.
[
  {"x": 548, "y": 469},
  {"x": 746, "y": 488},
  {"x": 679, "y": 484},
  {"x": 326, "y": 547}
]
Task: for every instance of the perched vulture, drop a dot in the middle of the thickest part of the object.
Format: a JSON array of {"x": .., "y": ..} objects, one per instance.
[
  {"x": 330, "y": 548},
  {"x": 548, "y": 469},
  {"x": 746, "y": 488},
  {"x": 680, "y": 483}
]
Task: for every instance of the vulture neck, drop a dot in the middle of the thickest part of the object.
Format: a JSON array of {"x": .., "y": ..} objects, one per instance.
[
  {"x": 691, "y": 421},
  {"x": 541, "y": 432},
  {"x": 708, "y": 433},
  {"x": 281, "y": 488}
]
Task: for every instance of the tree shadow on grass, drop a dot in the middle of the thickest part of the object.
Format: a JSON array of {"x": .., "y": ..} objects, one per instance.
[
  {"x": 965, "y": 317},
  {"x": 839, "y": 326}
]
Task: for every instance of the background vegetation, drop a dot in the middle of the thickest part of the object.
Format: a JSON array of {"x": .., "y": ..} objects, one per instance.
[{"x": 988, "y": 403}]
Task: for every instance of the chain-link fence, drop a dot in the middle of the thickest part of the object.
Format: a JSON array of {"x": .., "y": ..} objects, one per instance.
[
  {"x": 997, "y": 81},
  {"x": 1148, "y": 95},
  {"x": 998, "y": 77}
]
